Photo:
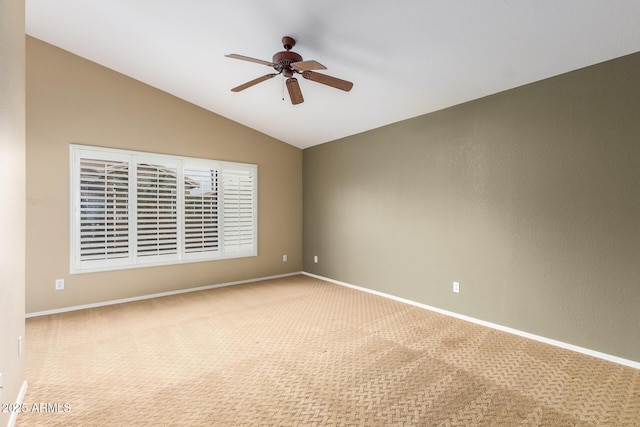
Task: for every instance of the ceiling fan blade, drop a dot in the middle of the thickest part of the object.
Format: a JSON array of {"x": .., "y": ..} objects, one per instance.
[
  {"x": 253, "y": 82},
  {"x": 247, "y": 58},
  {"x": 308, "y": 65},
  {"x": 294, "y": 91},
  {"x": 328, "y": 80}
]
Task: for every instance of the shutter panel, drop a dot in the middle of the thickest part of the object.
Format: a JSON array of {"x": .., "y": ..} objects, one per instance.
[
  {"x": 239, "y": 206},
  {"x": 200, "y": 210},
  {"x": 103, "y": 210},
  {"x": 157, "y": 211}
]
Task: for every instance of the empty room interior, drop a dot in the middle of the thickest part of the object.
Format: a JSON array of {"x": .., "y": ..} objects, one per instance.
[{"x": 425, "y": 185}]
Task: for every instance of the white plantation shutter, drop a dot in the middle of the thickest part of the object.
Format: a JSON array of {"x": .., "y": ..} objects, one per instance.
[
  {"x": 200, "y": 210},
  {"x": 137, "y": 209},
  {"x": 104, "y": 216},
  {"x": 101, "y": 232},
  {"x": 156, "y": 209},
  {"x": 239, "y": 207}
]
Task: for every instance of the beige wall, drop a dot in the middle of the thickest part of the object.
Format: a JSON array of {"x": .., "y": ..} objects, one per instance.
[
  {"x": 12, "y": 207},
  {"x": 72, "y": 100},
  {"x": 529, "y": 198}
]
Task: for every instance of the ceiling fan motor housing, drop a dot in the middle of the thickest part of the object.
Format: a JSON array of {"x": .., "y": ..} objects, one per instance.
[{"x": 282, "y": 62}]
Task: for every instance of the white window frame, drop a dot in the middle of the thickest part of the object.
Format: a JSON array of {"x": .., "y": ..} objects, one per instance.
[{"x": 236, "y": 199}]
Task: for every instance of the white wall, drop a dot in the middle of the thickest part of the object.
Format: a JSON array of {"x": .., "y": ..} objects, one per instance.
[{"x": 12, "y": 206}]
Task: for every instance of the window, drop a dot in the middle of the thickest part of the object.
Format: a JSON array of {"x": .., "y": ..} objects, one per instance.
[{"x": 132, "y": 209}]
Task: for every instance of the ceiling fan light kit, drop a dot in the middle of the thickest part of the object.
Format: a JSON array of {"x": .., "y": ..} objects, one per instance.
[{"x": 289, "y": 63}]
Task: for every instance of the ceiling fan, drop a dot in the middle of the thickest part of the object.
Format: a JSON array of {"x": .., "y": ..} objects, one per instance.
[{"x": 289, "y": 63}]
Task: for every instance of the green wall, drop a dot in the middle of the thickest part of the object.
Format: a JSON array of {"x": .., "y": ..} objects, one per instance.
[{"x": 529, "y": 198}]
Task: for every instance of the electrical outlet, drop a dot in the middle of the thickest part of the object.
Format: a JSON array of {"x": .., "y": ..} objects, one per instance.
[
  {"x": 59, "y": 284},
  {"x": 315, "y": 259},
  {"x": 456, "y": 287},
  {"x": 284, "y": 258}
]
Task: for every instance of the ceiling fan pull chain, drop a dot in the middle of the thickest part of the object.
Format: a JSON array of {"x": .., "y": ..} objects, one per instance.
[{"x": 283, "y": 87}]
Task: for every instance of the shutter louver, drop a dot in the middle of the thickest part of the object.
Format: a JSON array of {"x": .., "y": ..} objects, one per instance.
[
  {"x": 157, "y": 213},
  {"x": 239, "y": 209},
  {"x": 200, "y": 210},
  {"x": 103, "y": 210}
]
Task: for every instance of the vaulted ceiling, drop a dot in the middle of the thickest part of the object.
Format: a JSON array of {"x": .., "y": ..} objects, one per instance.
[{"x": 405, "y": 57}]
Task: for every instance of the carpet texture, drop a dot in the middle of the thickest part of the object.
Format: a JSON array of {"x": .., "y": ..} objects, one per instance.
[{"x": 301, "y": 351}]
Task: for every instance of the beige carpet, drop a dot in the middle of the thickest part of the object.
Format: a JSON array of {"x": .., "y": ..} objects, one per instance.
[{"x": 300, "y": 351}]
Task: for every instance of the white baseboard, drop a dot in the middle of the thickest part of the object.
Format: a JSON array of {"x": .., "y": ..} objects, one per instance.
[
  {"x": 599, "y": 355},
  {"x": 19, "y": 400},
  {"x": 161, "y": 294}
]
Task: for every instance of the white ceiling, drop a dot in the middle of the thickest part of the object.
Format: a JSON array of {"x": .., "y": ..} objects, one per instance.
[{"x": 405, "y": 57}]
